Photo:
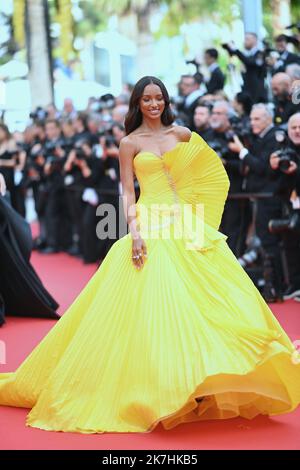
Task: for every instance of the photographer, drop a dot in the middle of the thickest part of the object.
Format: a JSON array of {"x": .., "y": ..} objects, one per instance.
[
  {"x": 284, "y": 57},
  {"x": 58, "y": 231},
  {"x": 202, "y": 122},
  {"x": 285, "y": 165},
  {"x": 8, "y": 160},
  {"x": 190, "y": 92},
  {"x": 242, "y": 104},
  {"x": 101, "y": 188},
  {"x": 77, "y": 172},
  {"x": 80, "y": 126},
  {"x": 255, "y": 159},
  {"x": 220, "y": 138},
  {"x": 217, "y": 78},
  {"x": 255, "y": 67},
  {"x": 284, "y": 106}
]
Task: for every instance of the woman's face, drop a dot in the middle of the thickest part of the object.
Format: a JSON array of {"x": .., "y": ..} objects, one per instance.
[{"x": 152, "y": 103}]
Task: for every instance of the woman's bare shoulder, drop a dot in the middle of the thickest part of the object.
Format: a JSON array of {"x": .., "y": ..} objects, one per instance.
[
  {"x": 183, "y": 133},
  {"x": 127, "y": 145}
]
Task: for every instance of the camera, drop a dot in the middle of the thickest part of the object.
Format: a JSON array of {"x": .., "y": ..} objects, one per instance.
[
  {"x": 286, "y": 155},
  {"x": 110, "y": 141},
  {"x": 294, "y": 39},
  {"x": 291, "y": 223},
  {"x": 218, "y": 147},
  {"x": 106, "y": 101},
  {"x": 227, "y": 48},
  {"x": 39, "y": 114},
  {"x": 238, "y": 128},
  {"x": 80, "y": 154},
  {"x": 79, "y": 149}
]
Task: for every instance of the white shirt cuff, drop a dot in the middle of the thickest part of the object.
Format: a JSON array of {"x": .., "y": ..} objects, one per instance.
[{"x": 243, "y": 153}]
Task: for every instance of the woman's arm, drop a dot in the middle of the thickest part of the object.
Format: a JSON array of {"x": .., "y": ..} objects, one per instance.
[{"x": 126, "y": 155}]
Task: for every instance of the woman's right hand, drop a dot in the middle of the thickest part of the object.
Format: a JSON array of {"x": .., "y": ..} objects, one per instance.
[{"x": 139, "y": 252}]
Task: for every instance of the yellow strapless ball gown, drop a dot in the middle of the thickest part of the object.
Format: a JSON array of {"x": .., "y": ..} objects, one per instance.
[{"x": 186, "y": 338}]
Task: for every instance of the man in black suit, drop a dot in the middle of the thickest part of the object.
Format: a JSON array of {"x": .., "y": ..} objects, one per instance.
[
  {"x": 191, "y": 92},
  {"x": 290, "y": 181},
  {"x": 254, "y": 67},
  {"x": 282, "y": 98},
  {"x": 232, "y": 219},
  {"x": 285, "y": 57},
  {"x": 256, "y": 164},
  {"x": 217, "y": 78},
  {"x": 201, "y": 122}
]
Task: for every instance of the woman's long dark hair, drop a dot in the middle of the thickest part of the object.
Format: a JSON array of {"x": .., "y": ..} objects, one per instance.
[
  {"x": 134, "y": 117},
  {"x": 6, "y": 130}
]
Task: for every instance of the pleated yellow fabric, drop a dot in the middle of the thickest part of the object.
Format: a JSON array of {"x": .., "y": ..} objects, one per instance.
[{"x": 186, "y": 338}]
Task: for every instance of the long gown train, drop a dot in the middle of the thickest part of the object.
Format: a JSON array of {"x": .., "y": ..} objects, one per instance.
[
  {"x": 186, "y": 338},
  {"x": 21, "y": 290}
]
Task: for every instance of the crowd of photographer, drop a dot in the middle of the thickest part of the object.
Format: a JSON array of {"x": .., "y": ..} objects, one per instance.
[
  {"x": 257, "y": 136},
  {"x": 69, "y": 160}
]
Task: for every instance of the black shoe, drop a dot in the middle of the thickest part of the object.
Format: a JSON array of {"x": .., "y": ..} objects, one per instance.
[
  {"x": 271, "y": 295},
  {"x": 291, "y": 292},
  {"x": 49, "y": 250},
  {"x": 39, "y": 244},
  {"x": 73, "y": 250}
]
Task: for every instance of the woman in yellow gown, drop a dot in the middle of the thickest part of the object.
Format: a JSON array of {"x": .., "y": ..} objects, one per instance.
[{"x": 170, "y": 328}]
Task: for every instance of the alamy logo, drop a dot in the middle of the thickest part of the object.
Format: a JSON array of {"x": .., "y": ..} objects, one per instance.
[{"x": 155, "y": 221}]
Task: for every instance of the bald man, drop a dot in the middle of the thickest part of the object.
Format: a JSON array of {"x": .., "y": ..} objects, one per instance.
[{"x": 284, "y": 107}]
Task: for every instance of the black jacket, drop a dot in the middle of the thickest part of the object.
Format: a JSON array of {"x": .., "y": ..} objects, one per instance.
[
  {"x": 284, "y": 109},
  {"x": 216, "y": 81},
  {"x": 258, "y": 163},
  {"x": 233, "y": 165},
  {"x": 282, "y": 63},
  {"x": 287, "y": 183},
  {"x": 254, "y": 76}
]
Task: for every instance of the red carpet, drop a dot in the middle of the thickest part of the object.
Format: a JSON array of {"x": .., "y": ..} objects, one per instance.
[{"x": 64, "y": 277}]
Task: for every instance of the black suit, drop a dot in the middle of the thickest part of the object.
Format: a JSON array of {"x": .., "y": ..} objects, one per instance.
[
  {"x": 254, "y": 76},
  {"x": 285, "y": 60},
  {"x": 259, "y": 180},
  {"x": 291, "y": 238},
  {"x": 187, "y": 111},
  {"x": 234, "y": 215},
  {"x": 257, "y": 160},
  {"x": 284, "y": 109},
  {"x": 216, "y": 81}
]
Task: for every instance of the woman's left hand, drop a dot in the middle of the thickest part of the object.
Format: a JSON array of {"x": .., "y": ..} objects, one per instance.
[{"x": 2, "y": 185}]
